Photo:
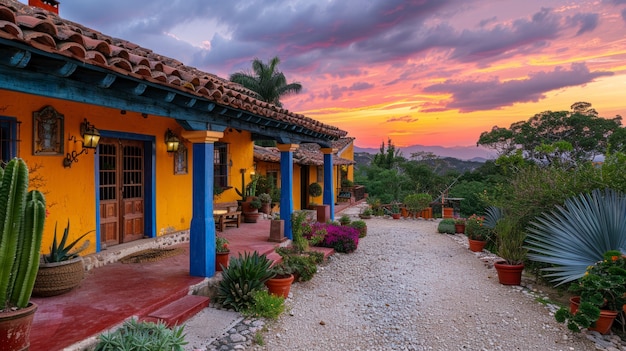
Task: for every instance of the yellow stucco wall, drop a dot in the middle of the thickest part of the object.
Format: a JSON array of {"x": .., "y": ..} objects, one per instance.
[
  {"x": 348, "y": 153},
  {"x": 241, "y": 153},
  {"x": 70, "y": 192}
]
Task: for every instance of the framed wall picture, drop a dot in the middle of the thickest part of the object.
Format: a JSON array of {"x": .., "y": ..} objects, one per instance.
[
  {"x": 48, "y": 132},
  {"x": 180, "y": 160}
]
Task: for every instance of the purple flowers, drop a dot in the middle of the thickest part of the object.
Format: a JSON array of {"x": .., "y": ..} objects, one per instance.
[{"x": 341, "y": 238}]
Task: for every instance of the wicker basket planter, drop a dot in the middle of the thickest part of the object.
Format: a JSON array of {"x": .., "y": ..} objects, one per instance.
[{"x": 59, "y": 277}]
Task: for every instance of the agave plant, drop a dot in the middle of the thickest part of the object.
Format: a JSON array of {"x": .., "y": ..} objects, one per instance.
[
  {"x": 63, "y": 252},
  {"x": 575, "y": 236},
  {"x": 243, "y": 276}
]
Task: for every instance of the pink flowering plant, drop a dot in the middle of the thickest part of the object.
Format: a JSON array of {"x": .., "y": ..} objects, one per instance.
[
  {"x": 341, "y": 238},
  {"x": 475, "y": 228}
]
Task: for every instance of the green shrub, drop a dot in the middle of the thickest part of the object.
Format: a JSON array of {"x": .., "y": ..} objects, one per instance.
[
  {"x": 243, "y": 276},
  {"x": 344, "y": 220},
  {"x": 315, "y": 189},
  {"x": 446, "y": 226},
  {"x": 298, "y": 224},
  {"x": 144, "y": 336},
  {"x": 316, "y": 256},
  {"x": 361, "y": 226},
  {"x": 265, "y": 305},
  {"x": 302, "y": 266}
]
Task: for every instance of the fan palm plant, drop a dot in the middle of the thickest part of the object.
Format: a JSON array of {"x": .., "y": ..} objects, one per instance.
[
  {"x": 576, "y": 236},
  {"x": 266, "y": 81}
]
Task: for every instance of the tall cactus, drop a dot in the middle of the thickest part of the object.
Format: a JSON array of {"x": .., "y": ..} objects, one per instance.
[{"x": 22, "y": 216}]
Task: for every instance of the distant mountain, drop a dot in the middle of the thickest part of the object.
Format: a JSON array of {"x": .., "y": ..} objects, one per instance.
[{"x": 472, "y": 153}]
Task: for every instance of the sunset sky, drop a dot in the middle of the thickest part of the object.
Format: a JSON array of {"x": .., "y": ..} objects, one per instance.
[{"x": 429, "y": 72}]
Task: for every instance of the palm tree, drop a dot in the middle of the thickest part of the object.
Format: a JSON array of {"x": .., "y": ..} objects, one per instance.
[{"x": 269, "y": 83}]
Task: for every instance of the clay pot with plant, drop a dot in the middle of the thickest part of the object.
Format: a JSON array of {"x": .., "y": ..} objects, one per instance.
[
  {"x": 395, "y": 211},
  {"x": 510, "y": 245},
  {"x": 22, "y": 216},
  {"x": 251, "y": 210},
  {"x": 366, "y": 214},
  {"x": 477, "y": 232},
  {"x": 600, "y": 295},
  {"x": 266, "y": 201},
  {"x": 416, "y": 203},
  {"x": 280, "y": 282},
  {"x": 62, "y": 269},
  {"x": 222, "y": 253}
]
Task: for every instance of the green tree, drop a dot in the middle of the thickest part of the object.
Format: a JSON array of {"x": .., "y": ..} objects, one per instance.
[
  {"x": 388, "y": 158},
  {"x": 551, "y": 136},
  {"x": 266, "y": 81}
]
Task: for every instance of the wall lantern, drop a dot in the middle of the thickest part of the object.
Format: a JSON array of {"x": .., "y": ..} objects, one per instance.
[
  {"x": 172, "y": 141},
  {"x": 91, "y": 137}
]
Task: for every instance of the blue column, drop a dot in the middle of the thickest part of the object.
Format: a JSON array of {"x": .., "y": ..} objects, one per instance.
[
  {"x": 202, "y": 230},
  {"x": 329, "y": 189},
  {"x": 286, "y": 185}
]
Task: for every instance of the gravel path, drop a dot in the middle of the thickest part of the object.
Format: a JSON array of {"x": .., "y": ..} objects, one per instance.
[{"x": 409, "y": 288}]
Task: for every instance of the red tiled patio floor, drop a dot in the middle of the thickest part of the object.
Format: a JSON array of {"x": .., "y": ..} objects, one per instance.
[{"x": 111, "y": 294}]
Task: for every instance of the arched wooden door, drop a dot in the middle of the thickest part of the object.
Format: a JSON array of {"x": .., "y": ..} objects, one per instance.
[{"x": 121, "y": 168}]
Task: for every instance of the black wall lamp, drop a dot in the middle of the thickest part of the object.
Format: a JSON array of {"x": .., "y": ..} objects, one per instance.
[
  {"x": 172, "y": 141},
  {"x": 91, "y": 137}
]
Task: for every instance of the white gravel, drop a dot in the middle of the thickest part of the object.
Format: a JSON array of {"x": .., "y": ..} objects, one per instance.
[{"x": 409, "y": 288}]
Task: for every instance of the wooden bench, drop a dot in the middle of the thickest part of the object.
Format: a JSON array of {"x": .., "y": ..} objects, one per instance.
[
  {"x": 344, "y": 196},
  {"x": 226, "y": 214}
]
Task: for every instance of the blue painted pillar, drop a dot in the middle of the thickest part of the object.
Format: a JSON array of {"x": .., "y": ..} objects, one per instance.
[
  {"x": 202, "y": 230},
  {"x": 329, "y": 189},
  {"x": 286, "y": 185}
]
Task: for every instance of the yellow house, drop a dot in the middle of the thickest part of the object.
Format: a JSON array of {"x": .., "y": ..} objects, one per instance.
[
  {"x": 308, "y": 166},
  {"x": 129, "y": 143}
]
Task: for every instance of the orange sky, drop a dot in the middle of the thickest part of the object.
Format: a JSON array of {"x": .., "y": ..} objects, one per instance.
[{"x": 429, "y": 72}]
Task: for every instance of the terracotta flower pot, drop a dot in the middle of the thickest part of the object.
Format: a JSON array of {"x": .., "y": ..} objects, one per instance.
[
  {"x": 395, "y": 215},
  {"x": 459, "y": 228},
  {"x": 509, "y": 274},
  {"x": 221, "y": 259},
  {"x": 15, "y": 328},
  {"x": 280, "y": 286},
  {"x": 476, "y": 245},
  {"x": 603, "y": 324}
]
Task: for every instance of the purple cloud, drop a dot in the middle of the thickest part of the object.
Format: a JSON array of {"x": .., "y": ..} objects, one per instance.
[
  {"x": 469, "y": 96},
  {"x": 624, "y": 14},
  {"x": 407, "y": 119},
  {"x": 587, "y": 22}
]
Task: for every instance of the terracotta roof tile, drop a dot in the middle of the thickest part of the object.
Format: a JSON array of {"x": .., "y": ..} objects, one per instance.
[
  {"x": 48, "y": 32},
  {"x": 306, "y": 154}
]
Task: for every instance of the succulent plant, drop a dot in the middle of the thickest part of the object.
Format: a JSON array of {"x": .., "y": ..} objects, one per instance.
[
  {"x": 22, "y": 216},
  {"x": 244, "y": 275}
]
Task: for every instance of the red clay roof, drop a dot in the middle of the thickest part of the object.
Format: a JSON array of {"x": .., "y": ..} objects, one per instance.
[
  {"x": 48, "y": 32},
  {"x": 305, "y": 154}
]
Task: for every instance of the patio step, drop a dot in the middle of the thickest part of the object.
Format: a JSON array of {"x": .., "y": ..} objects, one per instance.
[{"x": 178, "y": 311}]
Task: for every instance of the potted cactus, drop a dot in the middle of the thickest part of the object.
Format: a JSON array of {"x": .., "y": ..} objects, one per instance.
[{"x": 22, "y": 215}]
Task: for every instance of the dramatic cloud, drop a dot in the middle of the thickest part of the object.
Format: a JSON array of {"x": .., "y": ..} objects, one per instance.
[
  {"x": 365, "y": 65},
  {"x": 587, "y": 22},
  {"x": 469, "y": 96}
]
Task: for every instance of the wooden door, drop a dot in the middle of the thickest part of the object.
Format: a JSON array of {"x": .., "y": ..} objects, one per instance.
[{"x": 121, "y": 190}]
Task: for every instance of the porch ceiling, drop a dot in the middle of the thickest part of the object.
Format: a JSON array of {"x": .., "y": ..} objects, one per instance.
[{"x": 42, "y": 54}]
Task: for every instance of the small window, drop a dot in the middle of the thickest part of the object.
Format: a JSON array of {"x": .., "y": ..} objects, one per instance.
[
  {"x": 220, "y": 164},
  {"x": 9, "y": 131},
  {"x": 320, "y": 174}
]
